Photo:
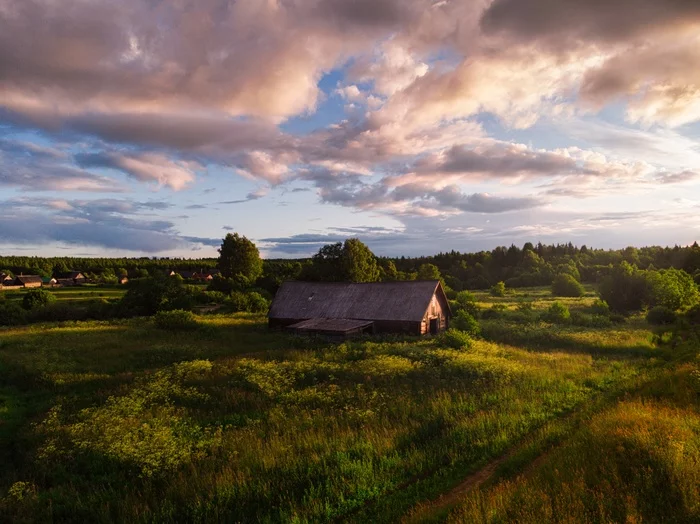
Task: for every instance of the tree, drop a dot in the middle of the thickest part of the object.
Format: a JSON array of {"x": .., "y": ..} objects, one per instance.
[
  {"x": 565, "y": 285},
  {"x": 238, "y": 256},
  {"x": 387, "y": 270},
  {"x": 351, "y": 261},
  {"x": 625, "y": 288},
  {"x": 359, "y": 262},
  {"x": 429, "y": 272}
]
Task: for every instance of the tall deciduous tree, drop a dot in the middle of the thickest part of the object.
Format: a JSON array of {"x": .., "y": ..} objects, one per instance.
[
  {"x": 359, "y": 262},
  {"x": 351, "y": 261},
  {"x": 238, "y": 257}
]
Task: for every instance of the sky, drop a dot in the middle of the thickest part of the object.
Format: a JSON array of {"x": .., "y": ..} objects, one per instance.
[{"x": 148, "y": 127}]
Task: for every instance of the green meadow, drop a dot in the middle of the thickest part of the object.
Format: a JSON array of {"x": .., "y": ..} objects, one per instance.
[
  {"x": 75, "y": 294},
  {"x": 592, "y": 421}
]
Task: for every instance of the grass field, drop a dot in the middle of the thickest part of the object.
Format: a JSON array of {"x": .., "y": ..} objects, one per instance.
[
  {"x": 75, "y": 294},
  {"x": 121, "y": 421}
]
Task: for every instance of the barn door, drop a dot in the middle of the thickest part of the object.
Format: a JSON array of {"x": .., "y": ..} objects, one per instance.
[{"x": 434, "y": 325}]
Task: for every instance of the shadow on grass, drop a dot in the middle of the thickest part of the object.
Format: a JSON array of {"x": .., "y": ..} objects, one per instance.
[{"x": 544, "y": 337}]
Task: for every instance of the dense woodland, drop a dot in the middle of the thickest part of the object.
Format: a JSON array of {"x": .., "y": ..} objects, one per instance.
[
  {"x": 531, "y": 265},
  {"x": 627, "y": 280}
]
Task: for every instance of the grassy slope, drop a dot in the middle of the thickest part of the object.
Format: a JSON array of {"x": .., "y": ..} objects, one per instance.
[{"x": 105, "y": 421}]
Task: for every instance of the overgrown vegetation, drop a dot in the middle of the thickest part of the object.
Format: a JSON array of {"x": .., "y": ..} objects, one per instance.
[{"x": 126, "y": 421}]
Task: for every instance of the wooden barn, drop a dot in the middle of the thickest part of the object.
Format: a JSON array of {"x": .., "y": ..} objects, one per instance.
[
  {"x": 28, "y": 281},
  {"x": 344, "y": 309}
]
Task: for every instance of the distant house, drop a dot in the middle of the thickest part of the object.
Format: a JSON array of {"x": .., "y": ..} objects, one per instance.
[
  {"x": 28, "y": 281},
  {"x": 343, "y": 309},
  {"x": 49, "y": 281},
  {"x": 187, "y": 275},
  {"x": 123, "y": 280},
  {"x": 6, "y": 280},
  {"x": 71, "y": 278}
]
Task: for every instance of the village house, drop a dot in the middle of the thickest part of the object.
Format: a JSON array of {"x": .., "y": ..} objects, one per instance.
[
  {"x": 28, "y": 281},
  {"x": 72, "y": 278},
  {"x": 343, "y": 308}
]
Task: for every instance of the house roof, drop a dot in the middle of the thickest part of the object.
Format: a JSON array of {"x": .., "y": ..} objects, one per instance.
[
  {"x": 346, "y": 300},
  {"x": 28, "y": 279}
]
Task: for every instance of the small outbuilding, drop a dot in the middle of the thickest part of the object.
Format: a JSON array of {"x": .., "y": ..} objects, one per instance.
[{"x": 346, "y": 308}]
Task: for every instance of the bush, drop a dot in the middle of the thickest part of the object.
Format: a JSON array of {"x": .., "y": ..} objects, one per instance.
[
  {"x": 593, "y": 321},
  {"x": 216, "y": 297},
  {"x": 256, "y": 303},
  {"x": 11, "y": 314},
  {"x": 454, "y": 339},
  {"x": 496, "y": 311},
  {"x": 600, "y": 307},
  {"x": 557, "y": 313},
  {"x": 36, "y": 298},
  {"x": 176, "y": 320},
  {"x": 466, "y": 323},
  {"x": 147, "y": 296},
  {"x": 464, "y": 300},
  {"x": 661, "y": 316},
  {"x": 499, "y": 289},
  {"x": 565, "y": 285},
  {"x": 238, "y": 301}
]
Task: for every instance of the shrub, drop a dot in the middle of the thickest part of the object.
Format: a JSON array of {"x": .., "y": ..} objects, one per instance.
[
  {"x": 565, "y": 285},
  {"x": 238, "y": 301},
  {"x": 454, "y": 339},
  {"x": 216, "y": 297},
  {"x": 661, "y": 316},
  {"x": 36, "y": 298},
  {"x": 496, "y": 311},
  {"x": 11, "y": 314},
  {"x": 600, "y": 307},
  {"x": 557, "y": 313},
  {"x": 466, "y": 301},
  {"x": 593, "y": 321},
  {"x": 256, "y": 303},
  {"x": 466, "y": 323},
  {"x": 147, "y": 296},
  {"x": 524, "y": 306},
  {"x": 499, "y": 289},
  {"x": 617, "y": 318},
  {"x": 176, "y": 320}
]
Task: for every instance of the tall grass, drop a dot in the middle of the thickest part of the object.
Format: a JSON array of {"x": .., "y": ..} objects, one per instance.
[{"x": 123, "y": 421}]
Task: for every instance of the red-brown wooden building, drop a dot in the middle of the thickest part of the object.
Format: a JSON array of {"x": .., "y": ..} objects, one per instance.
[{"x": 415, "y": 307}]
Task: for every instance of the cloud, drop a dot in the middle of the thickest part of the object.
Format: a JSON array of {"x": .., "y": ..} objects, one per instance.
[
  {"x": 38, "y": 168},
  {"x": 107, "y": 223},
  {"x": 146, "y": 167}
]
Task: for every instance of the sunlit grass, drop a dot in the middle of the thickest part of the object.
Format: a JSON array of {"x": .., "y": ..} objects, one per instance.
[{"x": 231, "y": 422}]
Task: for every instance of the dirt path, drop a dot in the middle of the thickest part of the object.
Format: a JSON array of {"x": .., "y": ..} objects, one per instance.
[{"x": 456, "y": 494}]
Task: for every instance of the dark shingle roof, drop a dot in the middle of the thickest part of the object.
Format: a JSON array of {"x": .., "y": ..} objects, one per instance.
[
  {"x": 371, "y": 301},
  {"x": 28, "y": 279}
]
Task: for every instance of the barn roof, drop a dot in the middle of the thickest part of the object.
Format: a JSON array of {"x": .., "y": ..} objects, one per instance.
[
  {"x": 28, "y": 279},
  {"x": 369, "y": 301}
]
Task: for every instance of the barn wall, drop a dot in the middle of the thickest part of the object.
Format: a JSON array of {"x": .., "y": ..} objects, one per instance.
[
  {"x": 437, "y": 308},
  {"x": 33, "y": 284}
]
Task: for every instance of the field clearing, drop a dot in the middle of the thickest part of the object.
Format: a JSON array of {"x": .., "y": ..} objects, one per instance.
[
  {"x": 75, "y": 294},
  {"x": 104, "y": 421}
]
